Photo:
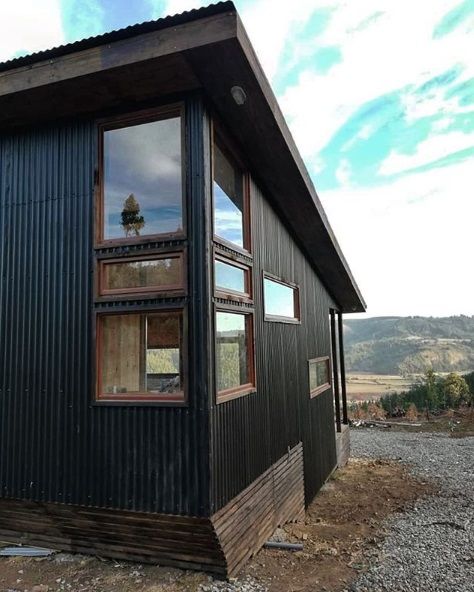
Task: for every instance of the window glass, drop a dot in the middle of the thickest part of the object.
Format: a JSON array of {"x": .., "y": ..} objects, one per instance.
[
  {"x": 143, "y": 180},
  {"x": 279, "y": 299},
  {"x": 229, "y": 277},
  {"x": 228, "y": 199},
  {"x": 231, "y": 351},
  {"x": 141, "y": 354},
  {"x": 137, "y": 275},
  {"x": 318, "y": 373}
]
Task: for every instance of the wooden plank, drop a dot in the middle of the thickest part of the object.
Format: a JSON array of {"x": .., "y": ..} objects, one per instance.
[{"x": 125, "y": 52}]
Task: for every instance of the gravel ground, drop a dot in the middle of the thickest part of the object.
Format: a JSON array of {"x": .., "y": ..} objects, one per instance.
[{"x": 429, "y": 548}]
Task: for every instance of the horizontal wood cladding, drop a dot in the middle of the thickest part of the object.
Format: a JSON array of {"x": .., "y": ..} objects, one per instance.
[
  {"x": 220, "y": 545},
  {"x": 180, "y": 541},
  {"x": 246, "y": 522}
]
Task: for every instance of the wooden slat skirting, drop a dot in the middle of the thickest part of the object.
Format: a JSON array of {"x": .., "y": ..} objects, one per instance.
[
  {"x": 247, "y": 521},
  {"x": 220, "y": 544}
]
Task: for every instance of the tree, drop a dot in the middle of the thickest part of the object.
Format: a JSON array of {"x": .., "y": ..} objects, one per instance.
[
  {"x": 456, "y": 388},
  {"x": 132, "y": 221}
]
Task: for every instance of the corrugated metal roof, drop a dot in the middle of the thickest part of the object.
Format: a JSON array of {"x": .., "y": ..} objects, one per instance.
[{"x": 131, "y": 31}]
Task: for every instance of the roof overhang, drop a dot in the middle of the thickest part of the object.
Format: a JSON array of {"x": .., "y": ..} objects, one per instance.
[{"x": 205, "y": 49}]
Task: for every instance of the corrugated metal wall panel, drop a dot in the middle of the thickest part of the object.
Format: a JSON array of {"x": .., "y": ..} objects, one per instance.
[
  {"x": 55, "y": 445},
  {"x": 251, "y": 433}
]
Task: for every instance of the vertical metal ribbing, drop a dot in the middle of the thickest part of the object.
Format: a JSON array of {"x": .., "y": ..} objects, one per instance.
[
  {"x": 340, "y": 325},
  {"x": 55, "y": 445},
  {"x": 199, "y": 277}
]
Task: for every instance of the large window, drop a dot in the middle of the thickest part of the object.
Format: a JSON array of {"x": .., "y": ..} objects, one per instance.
[
  {"x": 234, "y": 348},
  {"x": 140, "y": 356},
  {"x": 140, "y": 259},
  {"x": 281, "y": 300},
  {"x": 234, "y": 354},
  {"x": 230, "y": 200},
  {"x": 319, "y": 375},
  {"x": 141, "y": 193}
]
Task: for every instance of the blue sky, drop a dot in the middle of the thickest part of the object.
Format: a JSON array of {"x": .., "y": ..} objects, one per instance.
[{"x": 379, "y": 95}]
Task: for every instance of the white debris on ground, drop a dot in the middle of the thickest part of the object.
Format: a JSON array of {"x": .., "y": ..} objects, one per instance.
[{"x": 429, "y": 548}]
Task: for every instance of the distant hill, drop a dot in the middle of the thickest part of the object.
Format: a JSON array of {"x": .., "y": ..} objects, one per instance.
[{"x": 409, "y": 345}]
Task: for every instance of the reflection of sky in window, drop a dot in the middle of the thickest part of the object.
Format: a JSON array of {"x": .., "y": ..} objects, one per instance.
[
  {"x": 230, "y": 323},
  {"x": 227, "y": 218},
  {"x": 279, "y": 299},
  {"x": 144, "y": 160},
  {"x": 229, "y": 277}
]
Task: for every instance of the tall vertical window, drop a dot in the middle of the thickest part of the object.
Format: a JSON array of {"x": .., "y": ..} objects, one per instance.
[
  {"x": 230, "y": 207},
  {"x": 234, "y": 354},
  {"x": 142, "y": 188}
]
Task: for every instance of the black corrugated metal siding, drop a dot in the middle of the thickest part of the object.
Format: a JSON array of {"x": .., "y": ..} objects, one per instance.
[
  {"x": 55, "y": 445},
  {"x": 251, "y": 433}
]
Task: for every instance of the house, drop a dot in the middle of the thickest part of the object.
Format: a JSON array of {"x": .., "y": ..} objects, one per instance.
[{"x": 171, "y": 361}]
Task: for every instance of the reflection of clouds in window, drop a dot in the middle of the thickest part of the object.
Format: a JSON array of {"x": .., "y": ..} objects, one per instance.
[
  {"x": 227, "y": 218},
  {"x": 144, "y": 160},
  {"x": 229, "y": 277},
  {"x": 228, "y": 199},
  {"x": 279, "y": 299}
]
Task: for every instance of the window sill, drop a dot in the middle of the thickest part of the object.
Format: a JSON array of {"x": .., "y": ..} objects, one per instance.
[
  {"x": 319, "y": 390},
  {"x": 235, "y": 393},
  {"x": 277, "y": 319},
  {"x": 140, "y": 400}
]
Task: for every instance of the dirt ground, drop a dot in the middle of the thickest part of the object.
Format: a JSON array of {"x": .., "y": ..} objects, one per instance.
[{"x": 339, "y": 534}]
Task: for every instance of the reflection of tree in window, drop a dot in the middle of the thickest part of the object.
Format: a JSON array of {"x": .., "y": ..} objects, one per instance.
[
  {"x": 231, "y": 351},
  {"x": 228, "y": 199},
  {"x": 132, "y": 221}
]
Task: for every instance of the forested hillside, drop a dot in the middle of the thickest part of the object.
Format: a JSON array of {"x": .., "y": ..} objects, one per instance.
[{"x": 409, "y": 345}]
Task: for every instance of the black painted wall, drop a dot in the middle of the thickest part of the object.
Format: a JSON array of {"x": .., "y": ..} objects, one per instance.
[
  {"x": 251, "y": 433},
  {"x": 55, "y": 444}
]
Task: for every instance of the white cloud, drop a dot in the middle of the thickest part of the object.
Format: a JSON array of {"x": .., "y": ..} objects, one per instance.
[
  {"x": 343, "y": 172},
  {"x": 430, "y": 150},
  {"x": 409, "y": 243},
  {"x": 395, "y": 52},
  {"x": 29, "y": 26}
]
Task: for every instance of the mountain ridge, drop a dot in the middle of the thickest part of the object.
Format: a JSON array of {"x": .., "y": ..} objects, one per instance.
[{"x": 409, "y": 345}]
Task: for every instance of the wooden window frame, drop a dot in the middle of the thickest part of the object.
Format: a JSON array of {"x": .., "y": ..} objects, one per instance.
[
  {"x": 250, "y": 387},
  {"x": 296, "y": 320},
  {"x": 129, "y": 120},
  {"x": 169, "y": 290},
  {"x": 323, "y": 387},
  {"x": 226, "y": 293},
  {"x": 228, "y": 149},
  {"x": 140, "y": 399}
]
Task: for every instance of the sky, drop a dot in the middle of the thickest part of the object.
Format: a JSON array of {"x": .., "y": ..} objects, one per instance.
[{"x": 379, "y": 96}]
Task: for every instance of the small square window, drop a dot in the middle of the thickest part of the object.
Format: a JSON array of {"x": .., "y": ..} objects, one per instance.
[
  {"x": 319, "y": 375},
  {"x": 140, "y": 357},
  {"x": 231, "y": 279}
]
